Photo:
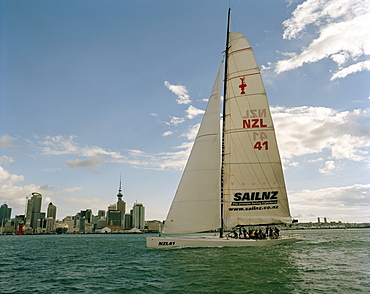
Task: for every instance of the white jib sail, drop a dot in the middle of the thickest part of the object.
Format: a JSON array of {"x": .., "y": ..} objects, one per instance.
[
  {"x": 254, "y": 187},
  {"x": 196, "y": 205}
]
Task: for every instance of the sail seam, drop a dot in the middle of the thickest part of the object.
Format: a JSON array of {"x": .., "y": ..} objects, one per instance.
[
  {"x": 240, "y": 50},
  {"x": 256, "y": 73},
  {"x": 252, "y": 130},
  {"x": 206, "y": 135}
]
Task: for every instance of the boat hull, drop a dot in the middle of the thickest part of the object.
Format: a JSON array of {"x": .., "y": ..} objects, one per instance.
[{"x": 179, "y": 242}]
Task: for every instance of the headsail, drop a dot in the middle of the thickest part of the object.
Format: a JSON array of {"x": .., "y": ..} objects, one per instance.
[
  {"x": 254, "y": 187},
  {"x": 196, "y": 206}
]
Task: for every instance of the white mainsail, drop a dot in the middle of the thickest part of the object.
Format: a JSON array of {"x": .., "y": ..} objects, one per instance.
[
  {"x": 253, "y": 184},
  {"x": 196, "y": 206}
]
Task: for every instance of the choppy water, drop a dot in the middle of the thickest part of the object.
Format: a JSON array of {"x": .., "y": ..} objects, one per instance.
[{"x": 326, "y": 261}]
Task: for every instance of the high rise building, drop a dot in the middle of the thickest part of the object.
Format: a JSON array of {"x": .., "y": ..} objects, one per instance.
[
  {"x": 33, "y": 210},
  {"x": 5, "y": 213},
  {"x": 138, "y": 216},
  {"x": 114, "y": 218},
  {"x": 87, "y": 214},
  {"x": 101, "y": 213},
  {"x": 52, "y": 211}
]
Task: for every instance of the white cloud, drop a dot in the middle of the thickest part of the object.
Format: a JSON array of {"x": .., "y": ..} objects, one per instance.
[
  {"x": 6, "y": 142},
  {"x": 168, "y": 133},
  {"x": 309, "y": 130},
  {"x": 360, "y": 66},
  {"x": 176, "y": 120},
  {"x": 330, "y": 166},
  {"x": 180, "y": 91},
  {"x": 6, "y": 159},
  {"x": 343, "y": 27},
  {"x": 193, "y": 112},
  {"x": 192, "y": 132},
  {"x": 349, "y": 196},
  {"x": 350, "y": 203}
]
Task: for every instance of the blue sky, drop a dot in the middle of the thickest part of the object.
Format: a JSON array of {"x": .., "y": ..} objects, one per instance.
[{"x": 94, "y": 89}]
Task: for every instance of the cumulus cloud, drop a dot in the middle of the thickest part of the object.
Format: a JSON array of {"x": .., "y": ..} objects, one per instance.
[
  {"x": 309, "y": 130},
  {"x": 180, "y": 91},
  {"x": 348, "y": 203},
  {"x": 176, "y": 120},
  {"x": 343, "y": 34},
  {"x": 168, "y": 133},
  {"x": 348, "y": 196},
  {"x": 6, "y": 142},
  {"x": 360, "y": 66},
  {"x": 330, "y": 166},
  {"x": 193, "y": 112}
]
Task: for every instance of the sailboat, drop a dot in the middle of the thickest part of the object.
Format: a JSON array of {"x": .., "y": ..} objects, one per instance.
[{"x": 233, "y": 177}]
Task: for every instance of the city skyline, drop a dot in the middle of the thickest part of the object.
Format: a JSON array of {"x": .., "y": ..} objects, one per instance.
[{"x": 95, "y": 89}]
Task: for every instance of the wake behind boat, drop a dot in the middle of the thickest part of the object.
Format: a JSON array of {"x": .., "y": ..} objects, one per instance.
[{"x": 234, "y": 177}]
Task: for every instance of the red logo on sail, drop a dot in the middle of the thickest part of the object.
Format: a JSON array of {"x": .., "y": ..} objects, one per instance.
[{"x": 242, "y": 86}]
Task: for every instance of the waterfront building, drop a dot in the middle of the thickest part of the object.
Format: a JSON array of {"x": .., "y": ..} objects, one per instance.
[
  {"x": 5, "y": 213},
  {"x": 69, "y": 221},
  {"x": 88, "y": 228},
  {"x": 138, "y": 216},
  {"x": 101, "y": 223},
  {"x": 128, "y": 221},
  {"x": 87, "y": 214},
  {"x": 52, "y": 211},
  {"x": 33, "y": 211},
  {"x": 114, "y": 219},
  {"x": 154, "y": 226},
  {"x": 49, "y": 224},
  {"x": 101, "y": 213},
  {"x": 81, "y": 225}
]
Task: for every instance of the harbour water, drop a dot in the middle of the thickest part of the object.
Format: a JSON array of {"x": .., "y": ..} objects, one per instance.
[{"x": 325, "y": 261}]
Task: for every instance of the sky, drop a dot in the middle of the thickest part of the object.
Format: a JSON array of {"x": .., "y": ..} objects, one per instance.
[{"x": 93, "y": 90}]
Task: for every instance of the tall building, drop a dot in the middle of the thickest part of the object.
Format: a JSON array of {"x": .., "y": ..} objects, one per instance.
[
  {"x": 114, "y": 218},
  {"x": 52, "y": 211},
  {"x": 87, "y": 214},
  {"x": 138, "y": 216},
  {"x": 33, "y": 210},
  {"x": 101, "y": 213},
  {"x": 5, "y": 213},
  {"x": 121, "y": 205}
]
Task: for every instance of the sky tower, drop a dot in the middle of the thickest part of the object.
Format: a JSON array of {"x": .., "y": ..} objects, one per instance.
[
  {"x": 120, "y": 195},
  {"x": 121, "y": 205}
]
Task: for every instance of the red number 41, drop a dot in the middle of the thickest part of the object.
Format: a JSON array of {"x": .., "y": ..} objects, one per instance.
[{"x": 261, "y": 145}]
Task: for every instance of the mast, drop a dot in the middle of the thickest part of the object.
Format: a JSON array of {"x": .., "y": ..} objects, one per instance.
[{"x": 223, "y": 125}]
